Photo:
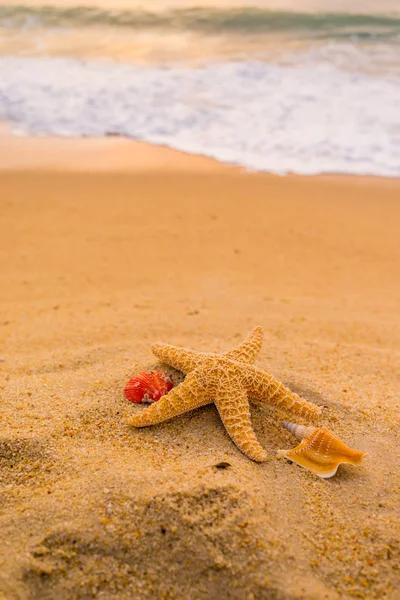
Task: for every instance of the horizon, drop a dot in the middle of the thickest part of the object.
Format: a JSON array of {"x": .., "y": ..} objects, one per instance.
[{"x": 325, "y": 6}]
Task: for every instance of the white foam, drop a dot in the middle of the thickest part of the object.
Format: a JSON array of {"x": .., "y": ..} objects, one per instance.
[{"x": 304, "y": 119}]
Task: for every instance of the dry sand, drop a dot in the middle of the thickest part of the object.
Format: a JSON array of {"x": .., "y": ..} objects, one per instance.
[{"x": 95, "y": 266}]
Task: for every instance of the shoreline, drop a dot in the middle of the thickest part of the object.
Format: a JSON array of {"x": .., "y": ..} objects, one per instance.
[{"x": 116, "y": 154}]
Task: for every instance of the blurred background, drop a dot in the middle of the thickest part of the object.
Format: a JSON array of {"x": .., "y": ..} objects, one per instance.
[{"x": 281, "y": 86}]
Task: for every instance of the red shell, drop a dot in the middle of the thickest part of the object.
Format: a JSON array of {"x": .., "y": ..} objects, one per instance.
[{"x": 148, "y": 387}]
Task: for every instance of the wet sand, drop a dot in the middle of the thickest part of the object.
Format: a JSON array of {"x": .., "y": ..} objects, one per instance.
[{"x": 98, "y": 260}]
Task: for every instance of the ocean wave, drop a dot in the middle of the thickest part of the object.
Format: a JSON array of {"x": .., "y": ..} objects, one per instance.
[
  {"x": 304, "y": 119},
  {"x": 240, "y": 20}
]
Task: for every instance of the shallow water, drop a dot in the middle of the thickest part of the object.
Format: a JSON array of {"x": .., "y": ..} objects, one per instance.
[{"x": 270, "y": 90}]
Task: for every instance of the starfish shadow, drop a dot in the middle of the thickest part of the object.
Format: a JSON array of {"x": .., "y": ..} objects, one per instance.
[{"x": 308, "y": 393}]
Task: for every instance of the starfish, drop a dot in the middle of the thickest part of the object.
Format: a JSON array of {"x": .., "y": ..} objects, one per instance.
[{"x": 227, "y": 380}]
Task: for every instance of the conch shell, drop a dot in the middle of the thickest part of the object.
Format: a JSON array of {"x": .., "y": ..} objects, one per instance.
[{"x": 320, "y": 451}]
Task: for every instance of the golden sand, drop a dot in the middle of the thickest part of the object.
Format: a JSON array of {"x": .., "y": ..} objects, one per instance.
[{"x": 95, "y": 266}]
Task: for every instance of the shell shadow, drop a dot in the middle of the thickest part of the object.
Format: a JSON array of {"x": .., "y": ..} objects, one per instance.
[{"x": 176, "y": 376}]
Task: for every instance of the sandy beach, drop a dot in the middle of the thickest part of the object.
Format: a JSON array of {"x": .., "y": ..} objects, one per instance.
[{"x": 100, "y": 259}]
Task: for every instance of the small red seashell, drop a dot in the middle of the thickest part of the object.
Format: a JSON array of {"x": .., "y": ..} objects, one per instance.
[{"x": 148, "y": 387}]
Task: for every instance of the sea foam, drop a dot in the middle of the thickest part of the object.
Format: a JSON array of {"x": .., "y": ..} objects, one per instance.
[{"x": 305, "y": 118}]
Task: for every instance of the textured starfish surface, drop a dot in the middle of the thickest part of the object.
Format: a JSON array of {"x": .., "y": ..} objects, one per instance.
[{"x": 227, "y": 380}]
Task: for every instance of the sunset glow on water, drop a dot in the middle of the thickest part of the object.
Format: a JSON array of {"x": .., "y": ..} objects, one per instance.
[{"x": 254, "y": 85}]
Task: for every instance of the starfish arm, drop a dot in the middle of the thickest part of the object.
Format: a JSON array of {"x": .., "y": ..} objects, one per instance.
[
  {"x": 248, "y": 350},
  {"x": 185, "y": 397},
  {"x": 233, "y": 407},
  {"x": 264, "y": 387},
  {"x": 180, "y": 358}
]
